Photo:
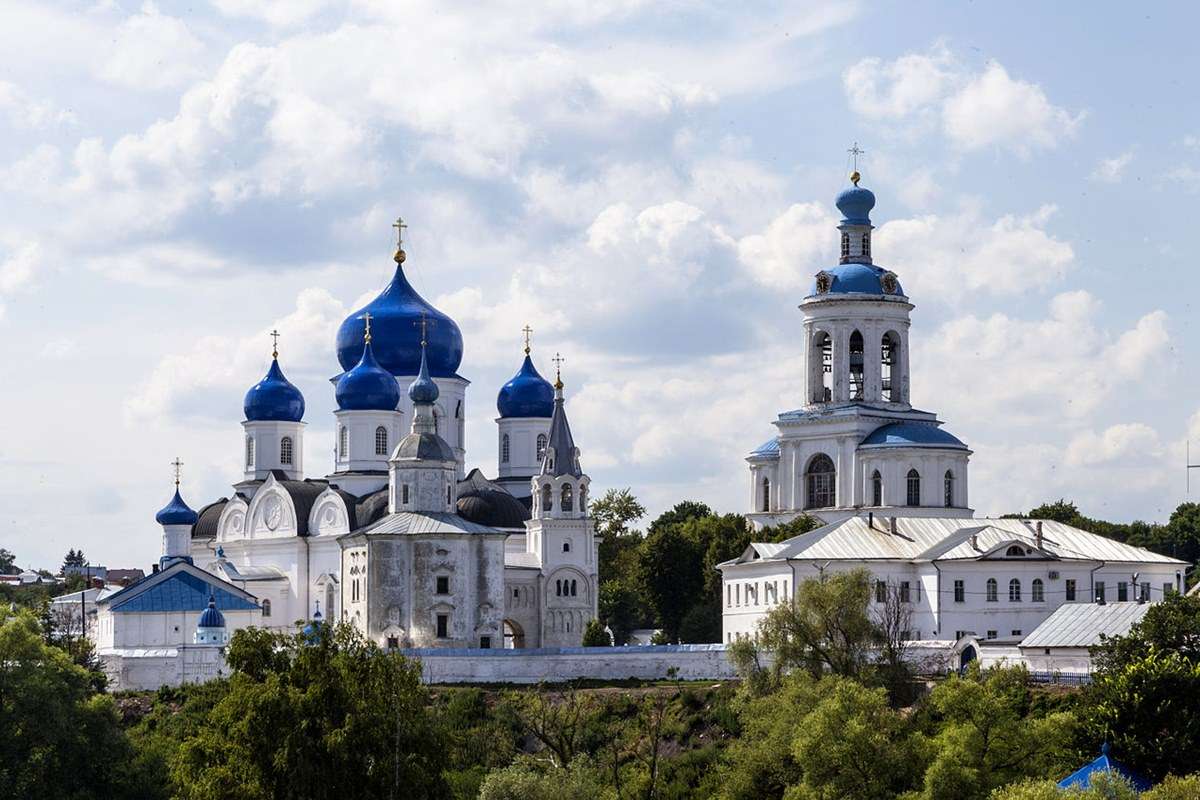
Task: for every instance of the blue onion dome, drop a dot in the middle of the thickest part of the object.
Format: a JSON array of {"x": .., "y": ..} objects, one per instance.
[
  {"x": 528, "y": 394},
  {"x": 423, "y": 389},
  {"x": 396, "y": 331},
  {"x": 367, "y": 387},
  {"x": 856, "y": 204},
  {"x": 211, "y": 617},
  {"x": 176, "y": 512},
  {"x": 274, "y": 398}
]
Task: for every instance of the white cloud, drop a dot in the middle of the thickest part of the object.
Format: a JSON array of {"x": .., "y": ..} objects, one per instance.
[
  {"x": 1128, "y": 443},
  {"x": 275, "y": 12},
  {"x": 1112, "y": 170},
  {"x": 792, "y": 248},
  {"x": 24, "y": 111},
  {"x": 19, "y": 263},
  {"x": 981, "y": 109},
  {"x": 153, "y": 51}
]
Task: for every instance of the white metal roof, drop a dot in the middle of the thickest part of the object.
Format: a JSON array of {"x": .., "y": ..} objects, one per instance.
[
  {"x": 414, "y": 523},
  {"x": 1081, "y": 624},
  {"x": 948, "y": 538}
]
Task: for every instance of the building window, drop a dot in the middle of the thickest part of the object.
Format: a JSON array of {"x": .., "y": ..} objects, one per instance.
[
  {"x": 905, "y": 592},
  {"x": 449, "y": 495},
  {"x": 1014, "y": 552},
  {"x": 1122, "y": 592},
  {"x": 914, "y": 488},
  {"x": 889, "y": 350},
  {"x": 1168, "y": 588},
  {"x": 249, "y": 451},
  {"x": 541, "y": 446},
  {"x": 820, "y": 481},
  {"x": 443, "y": 625},
  {"x": 856, "y": 366},
  {"x": 547, "y": 498},
  {"x": 1016, "y": 632},
  {"x": 866, "y": 245},
  {"x": 1037, "y": 591},
  {"x": 582, "y": 499},
  {"x": 959, "y": 634},
  {"x": 568, "y": 501},
  {"x": 573, "y": 587},
  {"x": 266, "y": 607},
  {"x": 504, "y": 449},
  {"x": 516, "y": 593},
  {"x": 960, "y": 594},
  {"x": 566, "y": 547},
  {"x": 1014, "y": 591},
  {"x": 1070, "y": 590},
  {"x": 381, "y": 443},
  {"x": 1100, "y": 591},
  {"x": 766, "y": 495},
  {"x": 485, "y": 643},
  {"x": 1145, "y": 594},
  {"x": 991, "y": 634},
  {"x": 991, "y": 590},
  {"x": 880, "y": 592},
  {"x": 949, "y": 489},
  {"x": 343, "y": 441},
  {"x": 285, "y": 450},
  {"x": 404, "y": 494},
  {"x": 876, "y": 488},
  {"x": 845, "y": 245},
  {"x": 443, "y": 584},
  {"x": 824, "y": 345},
  {"x": 393, "y": 643},
  {"x": 437, "y": 422}
]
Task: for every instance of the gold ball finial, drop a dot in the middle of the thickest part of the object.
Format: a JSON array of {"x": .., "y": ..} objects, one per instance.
[
  {"x": 855, "y": 177},
  {"x": 399, "y": 257}
]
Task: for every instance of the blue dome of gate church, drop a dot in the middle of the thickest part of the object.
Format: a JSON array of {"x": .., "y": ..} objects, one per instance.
[
  {"x": 856, "y": 204},
  {"x": 528, "y": 394},
  {"x": 211, "y": 617},
  {"x": 367, "y": 387},
  {"x": 274, "y": 398},
  {"x": 176, "y": 512},
  {"x": 396, "y": 332}
]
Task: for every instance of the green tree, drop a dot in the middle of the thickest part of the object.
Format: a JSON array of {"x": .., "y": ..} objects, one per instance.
[
  {"x": 1172, "y": 626},
  {"x": 853, "y": 746},
  {"x": 528, "y": 779},
  {"x": 620, "y": 610},
  {"x": 986, "y": 740},
  {"x": 1105, "y": 786},
  {"x": 8, "y": 562},
  {"x": 60, "y": 739},
  {"x": 594, "y": 635},
  {"x": 1175, "y": 788},
  {"x": 669, "y": 570},
  {"x": 615, "y": 511},
  {"x": 826, "y": 628},
  {"x": 328, "y": 716},
  {"x": 1183, "y": 532},
  {"x": 680, "y": 512},
  {"x": 74, "y": 558}
]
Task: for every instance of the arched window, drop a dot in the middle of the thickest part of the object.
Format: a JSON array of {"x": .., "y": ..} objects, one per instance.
[
  {"x": 285, "y": 450},
  {"x": 1015, "y": 551},
  {"x": 845, "y": 246},
  {"x": 572, "y": 587},
  {"x": 856, "y": 366},
  {"x": 541, "y": 446},
  {"x": 568, "y": 501},
  {"x": 404, "y": 493},
  {"x": 343, "y": 441},
  {"x": 449, "y": 495},
  {"x": 866, "y": 245},
  {"x": 266, "y": 607},
  {"x": 582, "y": 499},
  {"x": 914, "y": 488},
  {"x": 437, "y": 422},
  {"x": 249, "y": 451},
  {"x": 876, "y": 488},
  {"x": 1038, "y": 591},
  {"x": 558, "y": 588},
  {"x": 823, "y": 390},
  {"x": 949, "y": 489},
  {"x": 504, "y": 449},
  {"x": 1014, "y": 591},
  {"x": 991, "y": 590},
  {"x": 547, "y": 498},
  {"x": 889, "y": 353},
  {"x": 381, "y": 443},
  {"x": 566, "y": 547},
  {"x": 819, "y": 482},
  {"x": 766, "y": 494}
]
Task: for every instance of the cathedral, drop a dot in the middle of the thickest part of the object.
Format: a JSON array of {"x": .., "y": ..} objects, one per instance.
[{"x": 400, "y": 540}]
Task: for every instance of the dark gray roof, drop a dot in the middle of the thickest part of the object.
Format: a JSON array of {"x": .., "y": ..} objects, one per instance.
[
  {"x": 206, "y": 524},
  {"x": 561, "y": 457},
  {"x": 424, "y": 447},
  {"x": 362, "y": 510},
  {"x": 495, "y": 508}
]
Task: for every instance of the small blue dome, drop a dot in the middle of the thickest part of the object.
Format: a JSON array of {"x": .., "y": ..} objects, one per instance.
[
  {"x": 396, "y": 333},
  {"x": 176, "y": 512},
  {"x": 367, "y": 387},
  {"x": 528, "y": 394},
  {"x": 211, "y": 617},
  {"x": 856, "y": 204},
  {"x": 274, "y": 398},
  {"x": 912, "y": 434},
  {"x": 857, "y": 278},
  {"x": 423, "y": 389}
]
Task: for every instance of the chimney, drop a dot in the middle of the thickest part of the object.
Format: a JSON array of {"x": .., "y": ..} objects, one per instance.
[
  {"x": 974, "y": 541},
  {"x": 892, "y": 526},
  {"x": 1039, "y": 534},
  {"x": 871, "y": 520}
]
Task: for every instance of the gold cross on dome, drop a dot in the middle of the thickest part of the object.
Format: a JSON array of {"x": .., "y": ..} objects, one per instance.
[
  {"x": 274, "y": 344},
  {"x": 424, "y": 322},
  {"x": 855, "y": 151},
  {"x": 399, "y": 225},
  {"x": 528, "y": 331},
  {"x": 367, "y": 326},
  {"x": 178, "y": 465},
  {"x": 558, "y": 362}
]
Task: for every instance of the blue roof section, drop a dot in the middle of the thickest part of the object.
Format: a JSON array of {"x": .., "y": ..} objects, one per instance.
[
  {"x": 211, "y": 617},
  {"x": 856, "y": 204},
  {"x": 1082, "y": 778},
  {"x": 912, "y": 434},
  {"x": 423, "y": 389},
  {"x": 367, "y": 387},
  {"x": 528, "y": 394},
  {"x": 854, "y": 278},
  {"x": 396, "y": 316},
  {"x": 176, "y": 512},
  {"x": 274, "y": 398},
  {"x": 182, "y": 591},
  {"x": 767, "y": 449}
]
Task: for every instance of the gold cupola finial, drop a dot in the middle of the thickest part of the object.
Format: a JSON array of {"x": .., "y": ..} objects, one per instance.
[
  {"x": 855, "y": 151},
  {"x": 855, "y": 177},
  {"x": 399, "y": 225},
  {"x": 558, "y": 362},
  {"x": 367, "y": 327},
  {"x": 528, "y": 331}
]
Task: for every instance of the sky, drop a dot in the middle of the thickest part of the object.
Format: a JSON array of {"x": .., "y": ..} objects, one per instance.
[{"x": 649, "y": 185}]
